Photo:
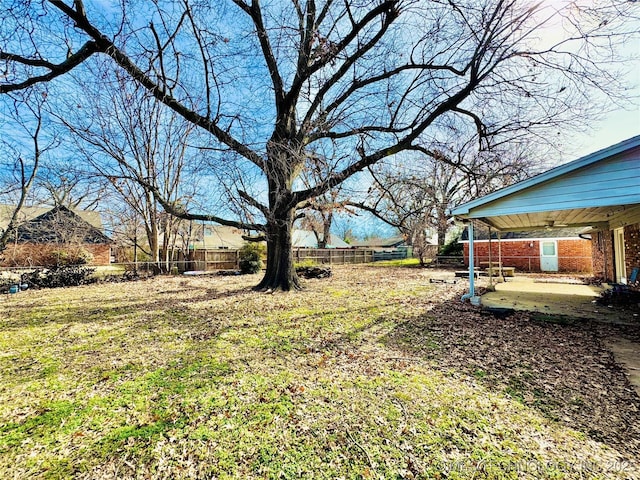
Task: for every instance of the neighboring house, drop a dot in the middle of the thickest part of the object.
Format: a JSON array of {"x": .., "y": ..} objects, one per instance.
[
  {"x": 378, "y": 243},
  {"x": 43, "y": 233},
  {"x": 398, "y": 248},
  {"x": 550, "y": 250},
  {"x": 307, "y": 239},
  {"x": 217, "y": 237},
  {"x": 600, "y": 191},
  {"x": 223, "y": 237}
]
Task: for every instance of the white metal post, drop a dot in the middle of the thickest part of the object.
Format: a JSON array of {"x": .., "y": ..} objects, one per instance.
[
  {"x": 501, "y": 277},
  {"x": 490, "y": 261},
  {"x": 472, "y": 291},
  {"x": 472, "y": 274}
]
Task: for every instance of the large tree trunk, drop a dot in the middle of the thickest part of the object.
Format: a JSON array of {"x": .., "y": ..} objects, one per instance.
[{"x": 280, "y": 273}]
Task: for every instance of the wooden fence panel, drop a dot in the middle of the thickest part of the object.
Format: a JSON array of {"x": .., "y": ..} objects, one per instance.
[
  {"x": 215, "y": 259},
  {"x": 228, "y": 259},
  {"x": 333, "y": 256}
]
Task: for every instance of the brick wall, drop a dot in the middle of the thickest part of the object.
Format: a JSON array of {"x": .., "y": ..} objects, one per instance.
[
  {"x": 602, "y": 248},
  {"x": 31, "y": 254},
  {"x": 574, "y": 255},
  {"x": 632, "y": 247}
]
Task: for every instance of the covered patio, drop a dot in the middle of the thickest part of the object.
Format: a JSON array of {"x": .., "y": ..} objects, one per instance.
[{"x": 600, "y": 191}]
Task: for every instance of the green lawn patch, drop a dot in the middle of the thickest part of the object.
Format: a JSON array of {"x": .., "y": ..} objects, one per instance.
[{"x": 404, "y": 262}]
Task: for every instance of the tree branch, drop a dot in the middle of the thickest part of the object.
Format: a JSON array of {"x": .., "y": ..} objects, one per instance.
[
  {"x": 255, "y": 12},
  {"x": 388, "y": 7},
  {"x": 106, "y": 46},
  {"x": 253, "y": 202},
  {"x": 55, "y": 70}
]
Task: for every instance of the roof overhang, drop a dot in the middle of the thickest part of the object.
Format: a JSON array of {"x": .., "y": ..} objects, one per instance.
[
  {"x": 598, "y": 218},
  {"x": 600, "y": 190}
]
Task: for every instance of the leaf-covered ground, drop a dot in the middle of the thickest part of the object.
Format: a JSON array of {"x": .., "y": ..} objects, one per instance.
[{"x": 373, "y": 373}]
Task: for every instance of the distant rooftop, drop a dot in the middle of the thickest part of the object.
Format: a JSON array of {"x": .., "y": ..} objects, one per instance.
[
  {"x": 60, "y": 225},
  {"x": 29, "y": 213},
  {"x": 378, "y": 242}
]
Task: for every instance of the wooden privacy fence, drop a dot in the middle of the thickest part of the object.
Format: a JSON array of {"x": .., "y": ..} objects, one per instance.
[
  {"x": 208, "y": 260},
  {"x": 333, "y": 256},
  {"x": 215, "y": 259},
  {"x": 228, "y": 259}
]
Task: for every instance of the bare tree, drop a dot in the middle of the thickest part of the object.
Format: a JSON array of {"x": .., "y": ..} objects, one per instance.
[
  {"x": 414, "y": 194},
  {"x": 318, "y": 213},
  {"x": 344, "y": 226},
  {"x": 140, "y": 147},
  {"x": 61, "y": 183},
  {"x": 364, "y": 80},
  {"x": 419, "y": 190},
  {"x": 24, "y": 145},
  {"x": 126, "y": 230}
]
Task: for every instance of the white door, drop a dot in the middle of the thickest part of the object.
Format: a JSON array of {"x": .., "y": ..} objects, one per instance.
[
  {"x": 618, "y": 252},
  {"x": 549, "y": 255}
]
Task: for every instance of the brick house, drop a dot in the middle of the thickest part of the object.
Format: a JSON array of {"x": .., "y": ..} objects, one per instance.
[
  {"x": 599, "y": 192},
  {"x": 553, "y": 250},
  {"x": 45, "y": 235}
]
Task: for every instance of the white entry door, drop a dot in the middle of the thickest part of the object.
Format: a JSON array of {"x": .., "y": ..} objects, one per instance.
[
  {"x": 618, "y": 254},
  {"x": 549, "y": 255}
]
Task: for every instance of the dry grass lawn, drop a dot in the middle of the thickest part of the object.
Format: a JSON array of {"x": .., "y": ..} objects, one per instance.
[{"x": 372, "y": 374}]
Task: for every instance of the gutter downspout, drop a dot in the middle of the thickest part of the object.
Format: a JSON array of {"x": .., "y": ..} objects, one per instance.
[{"x": 472, "y": 291}]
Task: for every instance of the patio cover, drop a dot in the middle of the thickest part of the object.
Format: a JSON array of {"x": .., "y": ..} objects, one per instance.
[{"x": 600, "y": 190}]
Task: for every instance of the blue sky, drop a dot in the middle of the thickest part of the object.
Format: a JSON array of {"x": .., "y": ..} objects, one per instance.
[
  {"x": 617, "y": 126},
  {"x": 623, "y": 121}
]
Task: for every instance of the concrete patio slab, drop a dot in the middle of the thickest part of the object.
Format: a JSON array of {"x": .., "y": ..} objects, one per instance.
[
  {"x": 627, "y": 353},
  {"x": 562, "y": 298}
]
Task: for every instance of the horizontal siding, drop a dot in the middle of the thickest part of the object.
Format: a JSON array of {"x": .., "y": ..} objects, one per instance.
[
  {"x": 625, "y": 151},
  {"x": 550, "y": 205},
  {"x": 625, "y": 180},
  {"x": 621, "y": 162},
  {"x": 615, "y": 181}
]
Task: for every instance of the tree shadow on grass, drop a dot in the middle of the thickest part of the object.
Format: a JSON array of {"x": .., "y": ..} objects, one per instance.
[
  {"x": 560, "y": 368},
  {"x": 21, "y": 315}
]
